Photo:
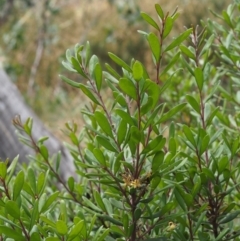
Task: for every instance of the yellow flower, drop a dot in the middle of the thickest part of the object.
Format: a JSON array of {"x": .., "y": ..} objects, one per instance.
[
  {"x": 127, "y": 179},
  {"x": 171, "y": 226},
  {"x": 136, "y": 183}
]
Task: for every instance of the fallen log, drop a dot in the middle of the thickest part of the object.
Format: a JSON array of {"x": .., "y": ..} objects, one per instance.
[{"x": 12, "y": 104}]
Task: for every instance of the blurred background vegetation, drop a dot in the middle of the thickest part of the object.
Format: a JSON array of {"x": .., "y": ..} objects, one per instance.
[{"x": 34, "y": 36}]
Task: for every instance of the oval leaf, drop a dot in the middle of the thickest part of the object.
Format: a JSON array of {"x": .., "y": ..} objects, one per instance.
[
  {"x": 127, "y": 86},
  {"x": 103, "y": 123},
  {"x": 120, "y": 62},
  {"x": 149, "y": 20},
  {"x": 177, "y": 41},
  {"x": 155, "y": 46},
  {"x": 137, "y": 70},
  {"x": 98, "y": 76}
]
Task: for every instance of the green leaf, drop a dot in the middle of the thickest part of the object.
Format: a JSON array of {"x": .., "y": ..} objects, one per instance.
[
  {"x": 152, "y": 144},
  {"x": 91, "y": 205},
  {"x": 127, "y": 86},
  {"x": 35, "y": 237},
  {"x": 103, "y": 123},
  {"x": 103, "y": 236},
  {"x": 153, "y": 91},
  {"x": 177, "y": 41},
  {"x": 120, "y": 62},
  {"x": 27, "y": 189},
  {"x": 187, "y": 65},
  {"x": 137, "y": 71},
  {"x": 173, "y": 60},
  {"x": 172, "y": 146},
  {"x": 204, "y": 144},
  {"x": 209, "y": 174},
  {"x": 77, "y": 50},
  {"x": 117, "y": 162},
  {"x": 193, "y": 103},
  {"x": 160, "y": 238},
  {"x": 52, "y": 239},
  {"x": 68, "y": 55},
  {"x": 157, "y": 161},
  {"x": 74, "y": 138},
  {"x": 77, "y": 67},
  {"x": 41, "y": 182},
  {"x": 199, "y": 78},
  {"x": 32, "y": 179},
  {"x": 125, "y": 116},
  {"x": 155, "y": 46},
  {"x": 222, "y": 164},
  {"x": 187, "y": 51},
  {"x": 135, "y": 134},
  {"x": 197, "y": 186},
  {"x": 206, "y": 71},
  {"x": 108, "y": 206},
  {"x": 168, "y": 207},
  {"x": 100, "y": 156},
  {"x": 172, "y": 130},
  {"x": 12, "y": 209},
  {"x": 71, "y": 183},
  {"x": 3, "y": 170},
  {"x": 87, "y": 53},
  {"x": 171, "y": 113},
  {"x": 105, "y": 143},
  {"x": 10, "y": 233},
  {"x": 11, "y": 169},
  {"x": 92, "y": 63},
  {"x": 63, "y": 210},
  {"x": 120, "y": 99},
  {"x": 50, "y": 201},
  {"x": 28, "y": 126},
  {"x": 18, "y": 185},
  {"x": 48, "y": 221},
  {"x": 75, "y": 230},
  {"x": 61, "y": 227},
  {"x": 159, "y": 11},
  {"x": 149, "y": 20},
  {"x": 116, "y": 229},
  {"x": 125, "y": 221},
  {"x": 88, "y": 93},
  {"x": 188, "y": 199},
  {"x": 122, "y": 131},
  {"x": 150, "y": 120},
  {"x": 117, "y": 204},
  {"x": 41, "y": 140},
  {"x": 180, "y": 200},
  {"x": 211, "y": 116},
  {"x": 68, "y": 66},
  {"x": 137, "y": 213},
  {"x": 70, "y": 82},
  {"x": 227, "y": 19},
  {"x": 222, "y": 234},
  {"x": 155, "y": 182},
  {"x": 98, "y": 76},
  {"x": 199, "y": 222},
  {"x": 112, "y": 71},
  {"x": 147, "y": 107},
  {"x": 35, "y": 214},
  {"x": 44, "y": 152},
  {"x": 168, "y": 26},
  {"x": 99, "y": 201}
]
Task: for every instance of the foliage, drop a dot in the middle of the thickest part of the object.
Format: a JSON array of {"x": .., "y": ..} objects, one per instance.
[
  {"x": 35, "y": 34},
  {"x": 159, "y": 161}
]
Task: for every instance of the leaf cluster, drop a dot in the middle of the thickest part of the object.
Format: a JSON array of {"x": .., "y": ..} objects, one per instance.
[{"x": 158, "y": 160}]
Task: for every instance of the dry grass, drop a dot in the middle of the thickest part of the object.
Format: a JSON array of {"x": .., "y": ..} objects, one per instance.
[{"x": 108, "y": 27}]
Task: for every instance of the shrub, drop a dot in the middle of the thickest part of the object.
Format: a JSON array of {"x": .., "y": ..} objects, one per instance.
[{"x": 157, "y": 161}]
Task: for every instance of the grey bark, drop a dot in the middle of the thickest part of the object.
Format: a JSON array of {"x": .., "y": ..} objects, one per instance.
[{"x": 12, "y": 104}]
